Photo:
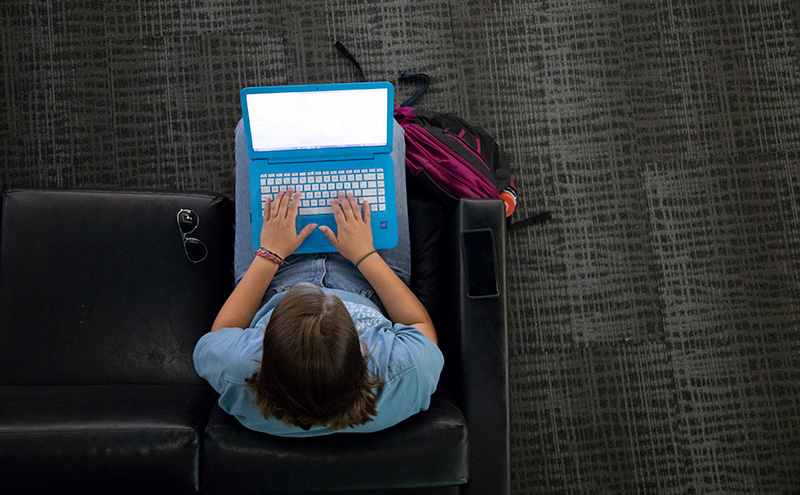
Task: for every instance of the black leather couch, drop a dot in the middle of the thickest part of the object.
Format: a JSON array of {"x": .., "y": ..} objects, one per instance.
[{"x": 99, "y": 313}]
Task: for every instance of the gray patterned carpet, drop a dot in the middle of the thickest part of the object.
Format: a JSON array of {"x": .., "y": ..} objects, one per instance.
[{"x": 655, "y": 322}]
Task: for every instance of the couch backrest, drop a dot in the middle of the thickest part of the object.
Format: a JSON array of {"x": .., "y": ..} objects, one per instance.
[{"x": 95, "y": 286}]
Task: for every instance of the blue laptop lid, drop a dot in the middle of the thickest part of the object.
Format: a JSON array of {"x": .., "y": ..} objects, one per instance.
[{"x": 318, "y": 121}]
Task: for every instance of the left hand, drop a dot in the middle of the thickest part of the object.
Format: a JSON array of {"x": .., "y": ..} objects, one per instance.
[
  {"x": 279, "y": 234},
  {"x": 354, "y": 238}
]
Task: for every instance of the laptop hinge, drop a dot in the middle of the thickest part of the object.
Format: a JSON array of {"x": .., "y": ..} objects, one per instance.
[{"x": 343, "y": 158}]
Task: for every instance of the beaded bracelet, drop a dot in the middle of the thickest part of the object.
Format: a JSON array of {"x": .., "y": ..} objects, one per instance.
[{"x": 267, "y": 254}]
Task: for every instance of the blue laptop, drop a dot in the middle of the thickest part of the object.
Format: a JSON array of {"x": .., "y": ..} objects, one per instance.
[{"x": 322, "y": 139}]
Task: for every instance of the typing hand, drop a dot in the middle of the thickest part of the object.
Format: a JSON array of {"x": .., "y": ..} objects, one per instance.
[
  {"x": 279, "y": 234},
  {"x": 354, "y": 238}
]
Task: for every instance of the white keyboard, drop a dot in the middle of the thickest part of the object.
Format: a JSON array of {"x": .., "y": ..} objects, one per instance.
[{"x": 319, "y": 188}]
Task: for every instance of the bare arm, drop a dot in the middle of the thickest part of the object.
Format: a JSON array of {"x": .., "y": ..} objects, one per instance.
[
  {"x": 401, "y": 304},
  {"x": 354, "y": 240},
  {"x": 279, "y": 235},
  {"x": 245, "y": 301}
]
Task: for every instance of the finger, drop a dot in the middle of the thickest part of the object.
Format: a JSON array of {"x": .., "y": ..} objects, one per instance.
[
  {"x": 355, "y": 208},
  {"x": 294, "y": 204},
  {"x": 343, "y": 205},
  {"x": 275, "y": 205},
  {"x": 285, "y": 200},
  {"x": 267, "y": 205},
  {"x": 328, "y": 233},
  {"x": 366, "y": 210},
  {"x": 307, "y": 230}
]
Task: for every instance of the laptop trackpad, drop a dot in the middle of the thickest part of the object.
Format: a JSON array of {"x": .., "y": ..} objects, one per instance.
[{"x": 316, "y": 241}]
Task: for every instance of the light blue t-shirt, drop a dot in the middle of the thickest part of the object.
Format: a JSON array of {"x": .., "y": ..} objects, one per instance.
[{"x": 402, "y": 356}]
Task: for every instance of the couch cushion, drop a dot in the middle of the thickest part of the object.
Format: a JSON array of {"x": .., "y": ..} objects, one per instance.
[
  {"x": 428, "y": 449},
  {"x": 95, "y": 286},
  {"x": 102, "y": 439},
  {"x": 427, "y": 221}
]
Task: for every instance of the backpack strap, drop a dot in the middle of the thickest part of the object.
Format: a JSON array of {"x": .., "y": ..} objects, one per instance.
[
  {"x": 404, "y": 76},
  {"x": 426, "y": 82},
  {"x": 349, "y": 56},
  {"x": 545, "y": 216}
]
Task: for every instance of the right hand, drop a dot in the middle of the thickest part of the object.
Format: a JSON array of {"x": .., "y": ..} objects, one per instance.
[
  {"x": 354, "y": 239},
  {"x": 278, "y": 233}
]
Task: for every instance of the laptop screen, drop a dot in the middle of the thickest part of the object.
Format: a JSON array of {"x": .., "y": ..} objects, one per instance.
[{"x": 350, "y": 118}]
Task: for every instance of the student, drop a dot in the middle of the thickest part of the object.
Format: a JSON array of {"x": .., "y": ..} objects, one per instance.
[{"x": 332, "y": 342}]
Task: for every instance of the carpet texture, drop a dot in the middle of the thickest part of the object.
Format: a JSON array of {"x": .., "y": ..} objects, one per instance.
[{"x": 654, "y": 322}]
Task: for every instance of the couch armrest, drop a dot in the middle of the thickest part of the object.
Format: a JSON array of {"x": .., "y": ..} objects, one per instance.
[{"x": 480, "y": 327}]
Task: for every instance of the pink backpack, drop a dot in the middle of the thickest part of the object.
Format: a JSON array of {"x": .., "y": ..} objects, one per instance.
[{"x": 455, "y": 158}]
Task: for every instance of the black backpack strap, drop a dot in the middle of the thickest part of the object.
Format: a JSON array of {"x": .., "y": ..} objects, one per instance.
[
  {"x": 426, "y": 81},
  {"x": 349, "y": 56},
  {"x": 536, "y": 219},
  {"x": 405, "y": 76}
]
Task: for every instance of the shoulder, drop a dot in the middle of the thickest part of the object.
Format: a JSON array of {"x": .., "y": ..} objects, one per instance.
[
  {"x": 410, "y": 364},
  {"x": 228, "y": 355},
  {"x": 411, "y": 348},
  {"x": 402, "y": 353}
]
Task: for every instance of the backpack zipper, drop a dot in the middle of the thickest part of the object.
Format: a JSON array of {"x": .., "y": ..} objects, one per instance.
[
  {"x": 477, "y": 154},
  {"x": 460, "y": 179}
]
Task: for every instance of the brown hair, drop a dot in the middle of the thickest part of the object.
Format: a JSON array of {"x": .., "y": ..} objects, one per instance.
[{"x": 312, "y": 369}]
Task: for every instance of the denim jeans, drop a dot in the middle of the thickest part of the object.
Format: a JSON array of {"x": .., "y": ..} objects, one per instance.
[{"x": 329, "y": 270}]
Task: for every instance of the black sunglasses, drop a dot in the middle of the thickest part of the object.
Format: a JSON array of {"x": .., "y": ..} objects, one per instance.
[{"x": 195, "y": 250}]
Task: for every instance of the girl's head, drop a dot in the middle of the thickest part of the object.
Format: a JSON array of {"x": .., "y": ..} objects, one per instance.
[{"x": 312, "y": 369}]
